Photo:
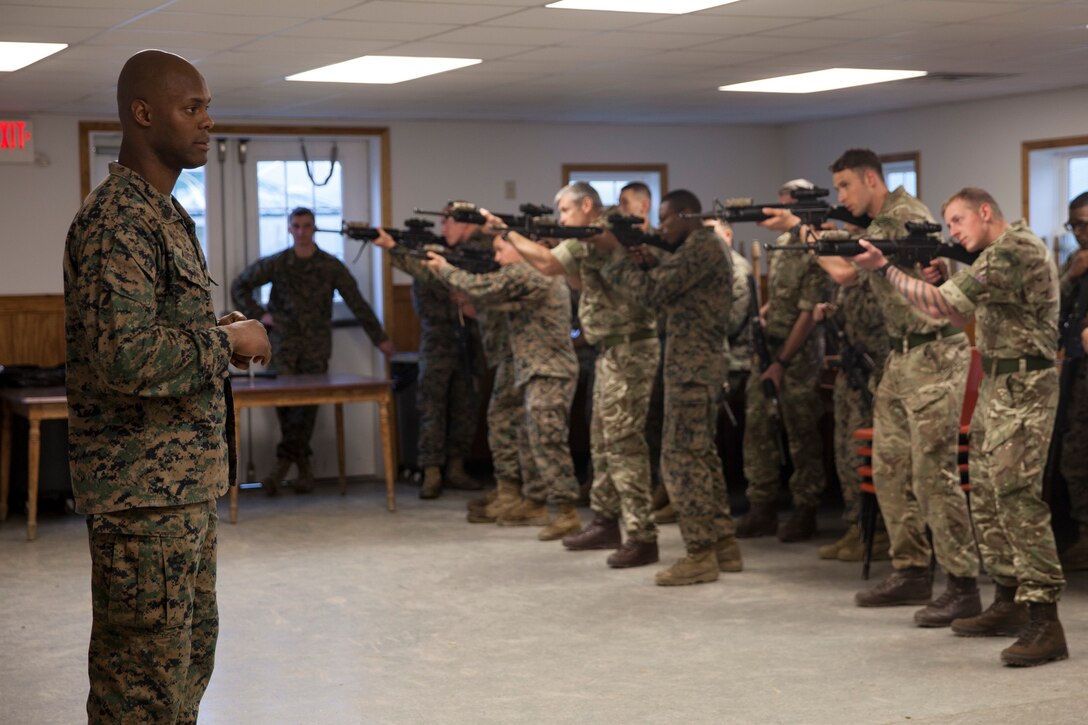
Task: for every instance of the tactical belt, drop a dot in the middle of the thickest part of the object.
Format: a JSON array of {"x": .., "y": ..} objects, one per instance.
[
  {"x": 914, "y": 339},
  {"x": 612, "y": 340},
  {"x": 1006, "y": 365}
]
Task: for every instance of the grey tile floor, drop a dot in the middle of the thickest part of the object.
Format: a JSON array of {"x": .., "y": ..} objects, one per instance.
[{"x": 335, "y": 611}]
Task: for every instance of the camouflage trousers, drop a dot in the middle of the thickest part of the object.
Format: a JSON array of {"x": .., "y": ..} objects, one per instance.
[
  {"x": 801, "y": 411},
  {"x": 297, "y": 421},
  {"x": 623, "y": 378},
  {"x": 851, "y": 413},
  {"x": 1010, "y": 430},
  {"x": 1074, "y": 460},
  {"x": 505, "y": 420},
  {"x": 691, "y": 467},
  {"x": 655, "y": 422},
  {"x": 916, "y": 422},
  {"x": 448, "y": 397},
  {"x": 155, "y": 618},
  {"x": 546, "y": 466}
]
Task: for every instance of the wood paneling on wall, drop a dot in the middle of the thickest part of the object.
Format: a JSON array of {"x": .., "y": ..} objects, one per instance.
[
  {"x": 405, "y": 327},
  {"x": 32, "y": 330}
]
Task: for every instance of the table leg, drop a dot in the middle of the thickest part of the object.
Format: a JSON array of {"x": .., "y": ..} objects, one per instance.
[
  {"x": 340, "y": 447},
  {"x": 5, "y": 464},
  {"x": 238, "y": 452},
  {"x": 33, "y": 455},
  {"x": 385, "y": 415}
]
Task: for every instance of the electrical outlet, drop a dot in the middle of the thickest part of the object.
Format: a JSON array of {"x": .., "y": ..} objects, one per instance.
[{"x": 511, "y": 191}]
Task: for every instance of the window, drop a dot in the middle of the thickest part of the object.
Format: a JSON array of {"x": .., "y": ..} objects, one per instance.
[
  {"x": 1054, "y": 172},
  {"x": 902, "y": 170},
  {"x": 608, "y": 179}
]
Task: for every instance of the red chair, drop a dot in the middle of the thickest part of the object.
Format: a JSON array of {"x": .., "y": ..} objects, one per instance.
[{"x": 869, "y": 507}]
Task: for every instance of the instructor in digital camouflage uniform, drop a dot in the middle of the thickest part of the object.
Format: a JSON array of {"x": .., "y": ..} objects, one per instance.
[
  {"x": 795, "y": 284},
  {"x": 1074, "y": 451},
  {"x": 1011, "y": 290},
  {"x": 299, "y": 319},
  {"x": 622, "y": 327},
  {"x": 545, "y": 373},
  {"x": 692, "y": 285},
  {"x": 916, "y": 416},
  {"x": 150, "y": 424}
]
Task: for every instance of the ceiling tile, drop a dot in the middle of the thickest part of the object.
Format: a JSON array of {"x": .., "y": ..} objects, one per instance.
[
  {"x": 62, "y": 17},
  {"x": 519, "y": 36},
  {"x": 285, "y": 8},
  {"x": 366, "y": 31},
  {"x": 703, "y": 24},
  {"x": 260, "y": 24},
  {"x": 402, "y": 12},
  {"x": 934, "y": 11},
  {"x": 572, "y": 19},
  {"x": 168, "y": 40}
]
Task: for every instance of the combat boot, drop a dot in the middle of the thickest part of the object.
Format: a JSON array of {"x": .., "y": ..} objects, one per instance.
[
  {"x": 634, "y": 553},
  {"x": 728, "y": 554},
  {"x": 665, "y": 515},
  {"x": 850, "y": 538},
  {"x": 457, "y": 477},
  {"x": 566, "y": 522},
  {"x": 525, "y": 513},
  {"x": 506, "y": 497},
  {"x": 602, "y": 533},
  {"x": 305, "y": 483},
  {"x": 800, "y": 527},
  {"x": 697, "y": 567},
  {"x": 855, "y": 551},
  {"x": 959, "y": 600},
  {"x": 273, "y": 480},
  {"x": 1003, "y": 618},
  {"x": 482, "y": 502},
  {"x": 761, "y": 520},
  {"x": 903, "y": 586},
  {"x": 432, "y": 483},
  {"x": 1042, "y": 641},
  {"x": 1075, "y": 558}
]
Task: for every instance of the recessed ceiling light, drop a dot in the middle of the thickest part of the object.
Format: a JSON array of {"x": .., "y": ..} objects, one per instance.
[
  {"x": 14, "y": 56},
  {"x": 674, "y": 7},
  {"x": 382, "y": 69},
  {"x": 823, "y": 80}
]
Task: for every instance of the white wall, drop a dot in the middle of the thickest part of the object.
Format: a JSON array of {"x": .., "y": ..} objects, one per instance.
[{"x": 967, "y": 144}]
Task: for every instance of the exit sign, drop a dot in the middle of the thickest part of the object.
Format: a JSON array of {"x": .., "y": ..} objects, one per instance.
[{"x": 16, "y": 141}]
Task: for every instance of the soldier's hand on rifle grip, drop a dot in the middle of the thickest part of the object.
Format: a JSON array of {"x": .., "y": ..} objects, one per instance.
[
  {"x": 936, "y": 272},
  {"x": 775, "y": 374},
  {"x": 606, "y": 241},
  {"x": 383, "y": 239},
  {"x": 780, "y": 220},
  {"x": 435, "y": 261},
  {"x": 872, "y": 258},
  {"x": 820, "y": 311}
]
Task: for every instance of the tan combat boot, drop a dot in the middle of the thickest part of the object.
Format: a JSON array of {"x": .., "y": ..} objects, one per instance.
[
  {"x": 855, "y": 550},
  {"x": 273, "y": 480},
  {"x": 697, "y": 567},
  {"x": 305, "y": 483},
  {"x": 482, "y": 502},
  {"x": 457, "y": 477},
  {"x": 728, "y": 554},
  {"x": 665, "y": 515},
  {"x": 525, "y": 513},
  {"x": 565, "y": 522},
  {"x": 506, "y": 497},
  {"x": 1042, "y": 641},
  {"x": 432, "y": 483},
  {"x": 851, "y": 537}
]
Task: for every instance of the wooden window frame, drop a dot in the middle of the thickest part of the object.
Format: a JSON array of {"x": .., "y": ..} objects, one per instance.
[{"x": 916, "y": 157}]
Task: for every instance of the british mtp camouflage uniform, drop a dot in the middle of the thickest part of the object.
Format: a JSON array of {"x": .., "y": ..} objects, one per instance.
[
  {"x": 150, "y": 433},
  {"x": 545, "y": 369},
  {"x": 795, "y": 284},
  {"x": 628, "y": 351},
  {"x": 1012, "y": 289},
  {"x": 301, "y": 306},
  {"x": 693, "y": 286},
  {"x": 916, "y": 419},
  {"x": 1074, "y": 454}
]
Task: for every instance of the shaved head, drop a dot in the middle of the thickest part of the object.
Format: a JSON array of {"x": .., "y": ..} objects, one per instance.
[{"x": 148, "y": 76}]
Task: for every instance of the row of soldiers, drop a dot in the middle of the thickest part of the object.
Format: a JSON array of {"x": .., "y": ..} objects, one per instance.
[{"x": 908, "y": 321}]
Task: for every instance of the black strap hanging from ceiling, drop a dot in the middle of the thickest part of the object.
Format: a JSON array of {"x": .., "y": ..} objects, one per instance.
[{"x": 309, "y": 171}]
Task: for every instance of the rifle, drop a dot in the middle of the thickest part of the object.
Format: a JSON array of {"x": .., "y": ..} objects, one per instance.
[
  {"x": 770, "y": 392},
  {"x": 857, "y": 364},
  {"x": 626, "y": 229},
  {"x": 467, "y": 213},
  {"x": 808, "y": 206},
  {"x": 414, "y": 241},
  {"x": 920, "y": 246},
  {"x": 1069, "y": 331}
]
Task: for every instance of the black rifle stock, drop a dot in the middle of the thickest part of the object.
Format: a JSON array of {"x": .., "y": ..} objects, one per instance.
[
  {"x": 920, "y": 246},
  {"x": 770, "y": 392},
  {"x": 1072, "y": 360}
]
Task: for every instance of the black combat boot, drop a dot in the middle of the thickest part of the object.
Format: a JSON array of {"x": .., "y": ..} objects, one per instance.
[
  {"x": 602, "y": 533},
  {"x": 1003, "y": 618},
  {"x": 903, "y": 586},
  {"x": 761, "y": 520},
  {"x": 800, "y": 527},
  {"x": 1041, "y": 641},
  {"x": 960, "y": 600},
  {"x": 634, "y": 553}
]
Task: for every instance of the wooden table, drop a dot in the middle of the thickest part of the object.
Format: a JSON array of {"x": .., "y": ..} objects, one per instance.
[
  {"x": 336, "y": 388},
  {"x": 38, "y": 404}
]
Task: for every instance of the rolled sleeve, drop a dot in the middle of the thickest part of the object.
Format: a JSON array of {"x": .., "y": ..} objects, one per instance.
[
  {"x": 962, "y": 292},
  {"x": 569, "y": 254}
]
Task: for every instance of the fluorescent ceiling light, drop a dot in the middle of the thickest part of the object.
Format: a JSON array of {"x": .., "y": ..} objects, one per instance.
[
  {"x": 14, "y": 56},
  {"x": 671, "y": 7},
  {"x": 382, "y": 69},
  {"x": 823, "y": 80}
]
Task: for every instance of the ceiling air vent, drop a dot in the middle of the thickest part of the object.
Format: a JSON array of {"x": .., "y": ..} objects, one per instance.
[{"x": 964, "y": 77}]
